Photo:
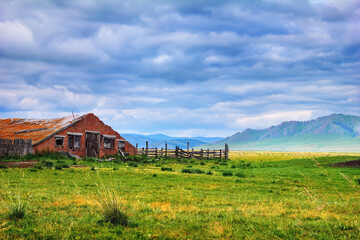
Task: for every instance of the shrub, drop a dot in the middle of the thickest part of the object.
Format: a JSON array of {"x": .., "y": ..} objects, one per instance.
[
  {"x": 188, "y": 170},
  {"x": 209, "y": 173},
  {"x": 198, "y": 171},
  {"x": 132, "y": 164},
  {"x": 154, "y": 175},
  {"x": 93, "y": 168},
  {"x": 202, "y": 163},
  {"x": 47, "y": 164},
  {"x": 240, "y": 175},
  {"x": 17, "y": 210},
  {"x": 233, "y": 166},
  {"x": 357, "y": 180},
  {"x": 58, "y": 167},
  {"x": 3, "y": 166},
  {"x": 166, "y": 169},
  {"x": 227, "y": 173},
  {"x": 112, "y": 209}
]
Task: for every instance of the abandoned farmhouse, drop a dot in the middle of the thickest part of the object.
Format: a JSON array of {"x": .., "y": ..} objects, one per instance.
[{"x": 84, "y": 135}]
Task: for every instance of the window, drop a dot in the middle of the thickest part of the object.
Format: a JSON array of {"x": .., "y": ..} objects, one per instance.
[
  {"x": 109, "y": 142},
  {"x": 121, "y": 145},
  {"x": 59, "y": 141},
  {"x": 74, "y": 140}
]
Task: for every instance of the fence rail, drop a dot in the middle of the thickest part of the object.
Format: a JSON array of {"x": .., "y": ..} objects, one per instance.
[{"x": 180, "y": 153}]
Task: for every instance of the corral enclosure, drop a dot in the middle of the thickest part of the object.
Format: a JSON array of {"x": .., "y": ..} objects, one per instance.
[{"x": 252, "y": 195}]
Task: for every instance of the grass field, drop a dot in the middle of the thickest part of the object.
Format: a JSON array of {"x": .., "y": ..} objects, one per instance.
[{"x": 270, "y": 195}]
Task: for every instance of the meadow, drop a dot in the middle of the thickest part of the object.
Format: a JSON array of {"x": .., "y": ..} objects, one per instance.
[{"x": 253, "y": 195}]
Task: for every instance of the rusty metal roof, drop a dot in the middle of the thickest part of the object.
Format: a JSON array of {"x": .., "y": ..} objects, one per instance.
[{"x": 35, "y": 129}]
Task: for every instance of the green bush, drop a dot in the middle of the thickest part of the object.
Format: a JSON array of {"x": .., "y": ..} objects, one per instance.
[
  {"x": 166, "y": 169},
  {"x": 93, "y": 168},
  {"x": 132, "y": 164},
  {"x": 188, "y": 170},
  {"x": 227, "y": 173},
  {"x": 48, "y": 164},
  {"x": 58, "y": 167},
  {"x": 357, "y": 180},
  {"x": 209, "y": 173},
  {"x": 240, "y": 175},
  {"x": 3, "y": 166}
]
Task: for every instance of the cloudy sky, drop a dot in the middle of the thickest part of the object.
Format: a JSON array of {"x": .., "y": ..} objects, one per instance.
[{"x": 183, "y": 68}]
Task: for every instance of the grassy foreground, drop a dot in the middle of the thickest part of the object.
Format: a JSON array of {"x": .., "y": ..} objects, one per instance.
[{"x": 254, "y": 195}]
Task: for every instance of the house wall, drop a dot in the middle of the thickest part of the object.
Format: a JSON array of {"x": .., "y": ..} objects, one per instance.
[{"x": 89, "y": 123}]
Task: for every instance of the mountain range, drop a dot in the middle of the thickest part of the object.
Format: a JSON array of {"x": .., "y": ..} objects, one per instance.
[
  {"x": 336, "y": 133},
  {"x": 159, "y": 140}
]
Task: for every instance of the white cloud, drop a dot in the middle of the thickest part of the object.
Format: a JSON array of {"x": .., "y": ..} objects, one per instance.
[
  {"x": 16, "y": 38},
  {"x": 161, "y": 59},
  {"x": 269, "y": 119}
]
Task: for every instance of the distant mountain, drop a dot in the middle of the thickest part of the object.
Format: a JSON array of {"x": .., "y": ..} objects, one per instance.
[
  {"x": 159, "y": 140},
  {"x": 337, "y": 132}
]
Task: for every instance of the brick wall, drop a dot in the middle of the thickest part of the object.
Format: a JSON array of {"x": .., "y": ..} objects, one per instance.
[{"x": 89, "y": 122}]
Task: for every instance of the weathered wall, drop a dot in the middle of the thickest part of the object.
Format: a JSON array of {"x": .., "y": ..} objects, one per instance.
[
  {"x": 90, "y": 123},
  {"x": 21, "y": 147}
]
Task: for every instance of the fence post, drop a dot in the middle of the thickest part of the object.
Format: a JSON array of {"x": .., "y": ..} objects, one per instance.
[
  {"x": 176, "y": 151},
  {"x": 188, "y": 147},
  {"x": 226, "y": 151},
  {"x": 161, "y": 152},
  {"x": 220, "y": 154},
  {"x": 147, "y": 148},
  {"x": 156, "y": 154},
  {"x": 165, "y": 149},
  {"x": 207, "y": 154},
  {"x": 201, "y": 153}
]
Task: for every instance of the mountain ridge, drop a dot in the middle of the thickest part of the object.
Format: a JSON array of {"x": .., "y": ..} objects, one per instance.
[
  {"x": 336, "y": 132},
  {"x": 159, "y": 140}
]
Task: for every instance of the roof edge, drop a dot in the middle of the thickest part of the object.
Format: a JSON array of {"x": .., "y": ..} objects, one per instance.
[{"x": 62, "y": 129}]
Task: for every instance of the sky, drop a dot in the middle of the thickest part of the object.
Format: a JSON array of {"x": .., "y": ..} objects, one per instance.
[{"x": 182, "y": 68}]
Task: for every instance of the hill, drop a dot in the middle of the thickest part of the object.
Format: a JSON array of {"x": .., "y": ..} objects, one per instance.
[
  {"x": 159, "y": 140},
  {"x": 336, "y": 133}
]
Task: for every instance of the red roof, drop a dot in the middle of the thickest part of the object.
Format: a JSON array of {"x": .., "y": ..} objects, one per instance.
[{"x": 35, "y": 129}]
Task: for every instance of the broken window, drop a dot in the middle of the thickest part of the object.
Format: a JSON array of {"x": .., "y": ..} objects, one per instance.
[
  {"x": 121, "y": 145},
  {"x": 59, "y": 141},
  {"x": 109, "y": 142},
  {"x": 74, "y": 140}
]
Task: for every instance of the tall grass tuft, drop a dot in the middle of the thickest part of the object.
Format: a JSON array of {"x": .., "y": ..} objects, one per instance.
[
  {"x": 112, "y": 209},
  {"x": 17, "y": 210}
]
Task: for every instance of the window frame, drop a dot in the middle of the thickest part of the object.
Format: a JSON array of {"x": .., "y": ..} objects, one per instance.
[
  {"x": 111, "y": 140},
  {"x": 72, "y": 139},
  {"x": 123, "y": 142},
  {"x": 59, "y": 137}
]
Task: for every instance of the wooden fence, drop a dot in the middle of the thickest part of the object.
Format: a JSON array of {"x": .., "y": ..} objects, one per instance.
[
  {"x": 20, "y": 147},
  {"x": 180, "y": 153}
]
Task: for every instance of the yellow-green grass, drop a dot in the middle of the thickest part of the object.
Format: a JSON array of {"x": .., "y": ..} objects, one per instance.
[
  {"x": 295, "y": 197},
  {"x": 265, "y": 156}
]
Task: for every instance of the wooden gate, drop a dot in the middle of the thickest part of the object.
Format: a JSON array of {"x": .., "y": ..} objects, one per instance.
[{"x": 92, "y": 144}]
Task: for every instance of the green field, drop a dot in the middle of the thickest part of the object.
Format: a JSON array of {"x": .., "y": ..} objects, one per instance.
[{"x": 269, "y": 196}]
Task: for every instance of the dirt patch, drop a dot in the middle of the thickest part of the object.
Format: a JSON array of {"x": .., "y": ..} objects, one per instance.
[
  {"x": 26, "y": 164},
  {"x": 355, "y": 163}
]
